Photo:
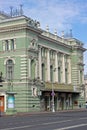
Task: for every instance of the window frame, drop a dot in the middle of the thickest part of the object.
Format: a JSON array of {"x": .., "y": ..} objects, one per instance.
[{"x": 9, "y": 69}]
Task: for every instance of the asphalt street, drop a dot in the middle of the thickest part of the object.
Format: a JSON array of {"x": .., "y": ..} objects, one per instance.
[{"x": 73, "y": 120}]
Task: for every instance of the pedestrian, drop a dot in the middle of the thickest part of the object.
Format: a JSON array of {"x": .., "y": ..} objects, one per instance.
[
  {"x": 80, "y": 105},
  {"x": 67, "y": 104},
  {"x": 86, "y": 105}
]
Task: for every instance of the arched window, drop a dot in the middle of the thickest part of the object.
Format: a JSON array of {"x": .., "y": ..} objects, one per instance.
[
  {"x": 59, "y": 74},
  {"x": 66, "y": 76},
  {"x": 43, "y": 72},
  {"x": 9, "y": 69},
  {"x": 51, "y": 73}
]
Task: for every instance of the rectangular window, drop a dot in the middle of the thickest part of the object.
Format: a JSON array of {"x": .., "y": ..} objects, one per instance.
[
  {"x": 6, "y": 45},
  {"x": 12, "y": 44},
  {"x": 9, "y": 69}
]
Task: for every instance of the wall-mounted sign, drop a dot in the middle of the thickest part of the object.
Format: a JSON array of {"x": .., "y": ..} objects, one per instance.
[{"x": 11, "y": 101}]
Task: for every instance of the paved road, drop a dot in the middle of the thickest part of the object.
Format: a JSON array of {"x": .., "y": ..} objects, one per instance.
[{"x": 75, "y": 120}]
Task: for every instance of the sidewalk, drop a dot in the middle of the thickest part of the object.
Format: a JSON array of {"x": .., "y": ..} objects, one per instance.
[{"x": 44, "y": 112}]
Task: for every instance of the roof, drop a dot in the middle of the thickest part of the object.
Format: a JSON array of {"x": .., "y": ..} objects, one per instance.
[
  {"x": 3, "y": 16},
  {"x": 85, "y": 76}
]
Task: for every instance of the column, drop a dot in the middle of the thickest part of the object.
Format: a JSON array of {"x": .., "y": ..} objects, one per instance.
[
  {"x": 3, "y": 45},
  {"x": 63, "y": 69},
  {"x": 69, "y": 70},
  {"x": 35, "y": 69},
  {"x": 48, "y": 65},
  {"x": 14, "y": 44},
  {"x": 9, "y": 44},
  {"x": 39, "y": 61},
  {"x": 56, "y": 68},
  {"x": 82, "y": 76}
]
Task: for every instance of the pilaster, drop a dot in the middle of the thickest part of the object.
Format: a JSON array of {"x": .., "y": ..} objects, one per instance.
[
  {"x": 40, "y": 63},
  {"x": 63, "y": 69},
  {"x": 56, "y": 67},
  {"x": 48, "y": 65},
  {"x": 36, "y": 68},
  {"x": 69, "y": 70},
  {"x": 29, "y": 60}
]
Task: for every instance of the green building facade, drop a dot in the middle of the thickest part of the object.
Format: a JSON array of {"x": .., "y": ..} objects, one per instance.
[{"x": 38, "y": 67}]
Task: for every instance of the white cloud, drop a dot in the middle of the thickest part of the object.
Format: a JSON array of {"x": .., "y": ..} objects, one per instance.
[
  {"x": 50, "y": 11},
  {"x": 59, "y": 14},
  {"x": 56, "y": 13}
]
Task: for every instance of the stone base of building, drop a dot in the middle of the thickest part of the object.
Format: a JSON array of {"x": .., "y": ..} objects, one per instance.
[
  {"x": 82, "y": 102},
  {"x": 11, "y": 111}
]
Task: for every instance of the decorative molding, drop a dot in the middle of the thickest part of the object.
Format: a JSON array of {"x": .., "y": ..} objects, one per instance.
[{"x": 9, "y": 58}]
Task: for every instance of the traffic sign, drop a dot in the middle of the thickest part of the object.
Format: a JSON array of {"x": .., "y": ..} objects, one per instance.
[{"x": 52, "y": 94}]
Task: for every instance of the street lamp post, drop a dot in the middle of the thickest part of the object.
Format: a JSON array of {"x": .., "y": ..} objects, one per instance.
[{"x": 53, "y": 94}]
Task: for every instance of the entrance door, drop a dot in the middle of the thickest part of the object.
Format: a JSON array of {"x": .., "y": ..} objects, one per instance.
[
  {"x": 62, "y": 102},
  {"x": 2, "y": 103},
  {"x": 55, "y": 103},
  {"x": 46, "y": 103}
]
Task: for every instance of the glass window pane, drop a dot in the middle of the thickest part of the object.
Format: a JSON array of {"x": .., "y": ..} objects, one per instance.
[{"x": 9, "y": 69}]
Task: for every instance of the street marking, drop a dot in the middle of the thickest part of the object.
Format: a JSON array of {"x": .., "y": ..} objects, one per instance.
[
  {"x": 56, "y": 122},
  {"x": 70, "y": 127},
  {"x": 65, "y": 128},
  {"x": 20, "y": 127},
  {"x": 27, "y": 126}
]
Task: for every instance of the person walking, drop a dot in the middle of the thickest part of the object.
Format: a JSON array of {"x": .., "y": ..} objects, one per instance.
[{"x": 86, "y": 105}]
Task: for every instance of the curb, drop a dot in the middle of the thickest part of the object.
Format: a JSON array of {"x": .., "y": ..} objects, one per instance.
[
  {"x": 48, "y": 112},
  {"x": 45, "y": 112}
]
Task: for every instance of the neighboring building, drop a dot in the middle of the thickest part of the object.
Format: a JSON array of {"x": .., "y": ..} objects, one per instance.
[
  {"x": 38, "y": 65},
  {"x": 85, "y": 87}
]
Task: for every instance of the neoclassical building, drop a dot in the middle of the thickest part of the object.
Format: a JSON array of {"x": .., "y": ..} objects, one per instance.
[
  {"x": 40, "y": 69},
  {"x": 85, "y": 87}
]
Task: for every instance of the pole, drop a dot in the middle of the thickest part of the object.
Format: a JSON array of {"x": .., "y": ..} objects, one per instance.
[{"x": 53, "y": 110}]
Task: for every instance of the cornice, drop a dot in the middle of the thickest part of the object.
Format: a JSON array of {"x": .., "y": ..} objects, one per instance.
[
  {"x": 55, "y": 41},
  {"x": 50, "y": 48},
  {"x": 80, "y": 48},
  {"x": 19, "y": 27}
]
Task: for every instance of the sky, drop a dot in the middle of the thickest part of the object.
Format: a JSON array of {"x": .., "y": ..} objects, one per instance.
[{"x": 61, "y": 15}]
